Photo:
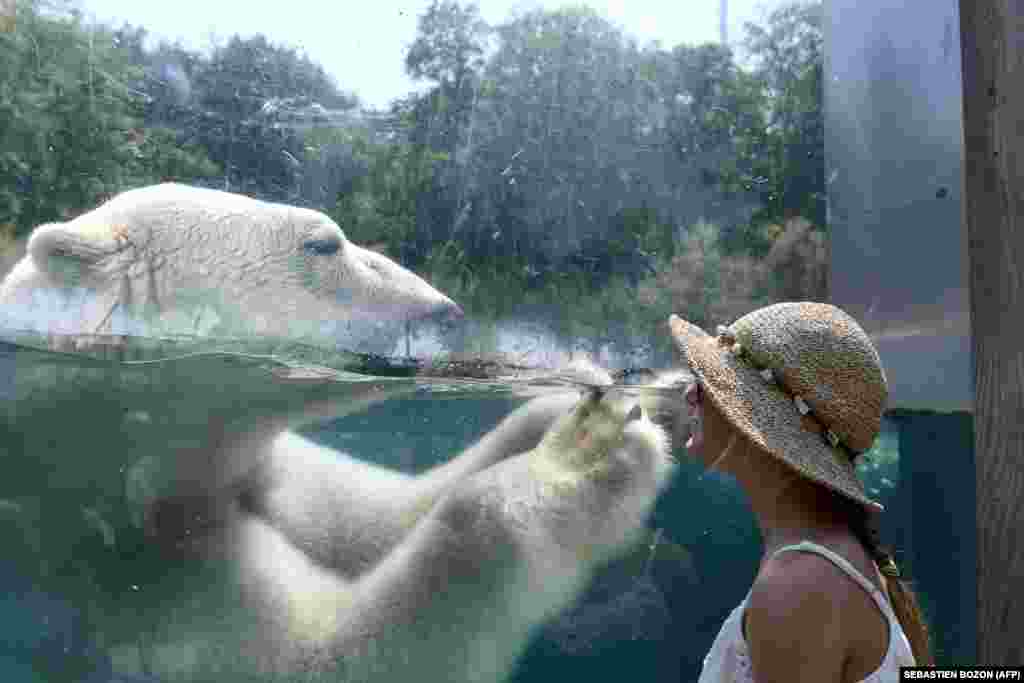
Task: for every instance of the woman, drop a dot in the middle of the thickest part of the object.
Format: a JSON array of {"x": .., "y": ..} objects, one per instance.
[{"x": 785, "y": 399}]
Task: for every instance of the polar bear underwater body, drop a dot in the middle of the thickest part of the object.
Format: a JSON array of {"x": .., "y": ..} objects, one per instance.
[
  {"x": 482, "y": 562},
  {"x": 348, "y": 568}
]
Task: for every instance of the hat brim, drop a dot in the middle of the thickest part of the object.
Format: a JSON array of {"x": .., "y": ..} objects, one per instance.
[{"x": 764, "y": 414}]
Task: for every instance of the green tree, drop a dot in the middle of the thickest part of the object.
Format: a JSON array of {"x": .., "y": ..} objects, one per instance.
[
  {"x": 381, "y": 206},
  {"x": 245, "y": 93},
  {"x": 70, "y": 119},
  {"x": 715, "y": 125},
  {"x": 449, "y": 45},
  {"x": 557, "y": 126},
  {"x": 448, "y": 53},
  {"x": 789, "y": 64}
]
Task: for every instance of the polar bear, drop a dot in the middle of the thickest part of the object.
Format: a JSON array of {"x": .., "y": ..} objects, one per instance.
[
  {"x": 178, "y": 259},
  {"x": 173, "y": 259},
  {"x": 453, "y": 590},
  {"x": 340, "y": 559}
]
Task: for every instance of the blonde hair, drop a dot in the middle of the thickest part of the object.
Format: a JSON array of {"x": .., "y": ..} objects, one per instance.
[{"x": 864, "y": 525}]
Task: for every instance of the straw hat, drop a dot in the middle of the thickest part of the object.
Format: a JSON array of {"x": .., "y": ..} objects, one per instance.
[{"x": 801, "y": 380}]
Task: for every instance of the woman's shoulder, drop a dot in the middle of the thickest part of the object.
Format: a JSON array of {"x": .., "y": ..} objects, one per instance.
[
  {"x": 795, "y": 607},
  {"x": 813, "y": 580},
  {"x": 805, "y": 602},
  {"x": 799, "y": 583}
]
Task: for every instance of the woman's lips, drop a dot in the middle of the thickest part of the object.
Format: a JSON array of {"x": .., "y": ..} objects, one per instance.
[{"x": 696, "y": 439}]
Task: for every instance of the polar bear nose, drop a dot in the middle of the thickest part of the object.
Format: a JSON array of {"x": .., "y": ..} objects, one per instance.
[
  {"x": 635, "y": 413},
  {"x": 445, "y": 314}
]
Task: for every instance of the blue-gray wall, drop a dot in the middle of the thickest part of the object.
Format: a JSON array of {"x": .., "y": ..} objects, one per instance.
[
  {"x": 894, "y": 158},
  {"x": 893, "y": 102}
]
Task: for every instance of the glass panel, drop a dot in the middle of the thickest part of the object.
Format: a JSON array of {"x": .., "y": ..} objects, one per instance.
[
  {"x": 243, "y": 414},
  {"x": 899, "y": 263}
]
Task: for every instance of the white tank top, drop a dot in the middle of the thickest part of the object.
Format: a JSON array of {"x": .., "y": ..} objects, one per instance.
[{"x": 728, "y": 661}]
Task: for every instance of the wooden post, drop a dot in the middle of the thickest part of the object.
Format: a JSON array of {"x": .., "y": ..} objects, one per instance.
[{"x": 992, "y": 43}]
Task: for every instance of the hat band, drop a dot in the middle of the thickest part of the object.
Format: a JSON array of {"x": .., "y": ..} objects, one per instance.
[{"x": 727, "y": 338}]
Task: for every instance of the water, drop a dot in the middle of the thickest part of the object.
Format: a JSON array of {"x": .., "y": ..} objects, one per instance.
[{"x": 88, "y": 443}]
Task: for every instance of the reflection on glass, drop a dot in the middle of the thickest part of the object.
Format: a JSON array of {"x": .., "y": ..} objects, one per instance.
[
  {"x": 389, "y": 277},
  {"x": 899, "y": 264}
]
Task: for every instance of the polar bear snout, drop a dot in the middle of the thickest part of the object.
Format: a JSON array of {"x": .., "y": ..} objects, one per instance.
[
  {"x": 388, "y": 284},
  {"x": 260, "y": 267},
  {"x": 445, "y": 314}
]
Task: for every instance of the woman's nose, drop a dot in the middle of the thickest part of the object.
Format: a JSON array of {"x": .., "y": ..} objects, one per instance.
[{"x": 693, "y": 397}]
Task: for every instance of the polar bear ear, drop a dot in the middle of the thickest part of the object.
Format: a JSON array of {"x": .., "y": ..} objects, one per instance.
[{"x": 56, "y": 247}]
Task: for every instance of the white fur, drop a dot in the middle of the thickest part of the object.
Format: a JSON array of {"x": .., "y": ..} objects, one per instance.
[
  {"x": 175, "y": 259},
  {"x": 454, "y": 594},
  {"x": 435, "y": 577}
]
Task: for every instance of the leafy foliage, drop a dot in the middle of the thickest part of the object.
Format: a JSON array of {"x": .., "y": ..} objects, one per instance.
[
  {"x": 551, "y": 156},
  {"x": 239, "y": 93},
  {"x": 790, "y": 66},
  {"x": 70, "y": 121}
]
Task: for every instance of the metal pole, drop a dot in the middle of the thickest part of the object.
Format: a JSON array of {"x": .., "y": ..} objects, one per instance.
[{"x": 723, "y": 18}]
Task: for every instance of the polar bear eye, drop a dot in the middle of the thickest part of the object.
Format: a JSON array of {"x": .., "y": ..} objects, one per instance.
[
  {"x": 323, "y": 246},
  {"x": 60, "y": 254}
]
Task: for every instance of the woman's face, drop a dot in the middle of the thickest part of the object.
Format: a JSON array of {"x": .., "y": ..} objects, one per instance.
[
  {"x": 710, "y": 431},
  {"x": 694, "y": 407}
]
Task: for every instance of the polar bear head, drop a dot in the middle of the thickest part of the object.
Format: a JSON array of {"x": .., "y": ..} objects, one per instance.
[{"x": 178, "y": 259}]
